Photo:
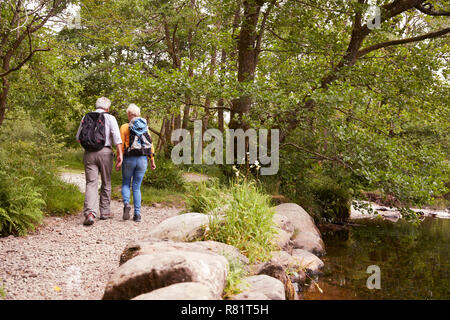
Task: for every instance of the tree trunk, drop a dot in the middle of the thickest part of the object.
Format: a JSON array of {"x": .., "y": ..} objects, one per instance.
[
  {"x": 247, "y": 52},
  {"x": 3, "y": 99}
]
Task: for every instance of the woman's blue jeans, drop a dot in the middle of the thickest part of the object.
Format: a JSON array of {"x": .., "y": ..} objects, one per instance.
[{"x": 133, "y": 168}]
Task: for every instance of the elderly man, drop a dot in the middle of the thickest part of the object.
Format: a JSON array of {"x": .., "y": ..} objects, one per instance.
[{"x": 97, "y": 132}]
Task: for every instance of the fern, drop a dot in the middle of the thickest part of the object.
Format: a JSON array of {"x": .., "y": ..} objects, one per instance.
[{"x": 21, "y": 205}]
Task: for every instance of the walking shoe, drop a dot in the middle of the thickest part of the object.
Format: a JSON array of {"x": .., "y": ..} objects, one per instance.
[
  {"x": 89, "y": 220},
  {"x": 106, "y": 216},
  {"x": 126, "y": 211},
  {"x": 137, "y": 218}
]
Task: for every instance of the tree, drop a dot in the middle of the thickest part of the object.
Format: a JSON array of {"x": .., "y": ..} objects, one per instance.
[
  {"x": 19, "y": 23},
  {"x": 345, "y": 96}
]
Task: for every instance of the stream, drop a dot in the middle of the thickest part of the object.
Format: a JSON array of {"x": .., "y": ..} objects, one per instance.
[{"x": 413, "y": 260}]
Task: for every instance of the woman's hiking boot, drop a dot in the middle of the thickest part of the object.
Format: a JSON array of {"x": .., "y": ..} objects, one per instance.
[{"x": 126, "y": 211}]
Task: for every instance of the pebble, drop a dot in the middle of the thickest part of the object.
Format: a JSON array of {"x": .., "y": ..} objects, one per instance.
[{"x": 64, "y": 254}]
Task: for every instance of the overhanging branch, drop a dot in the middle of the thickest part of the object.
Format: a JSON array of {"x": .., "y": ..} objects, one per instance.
[
  {"x": 427, "y": 8},
  {"x": 377, "y": 46}
]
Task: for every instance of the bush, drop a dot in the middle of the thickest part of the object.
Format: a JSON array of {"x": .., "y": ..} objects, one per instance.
[
  {"x": 333, "y": 200},
  {"x": 166, "y": 175},
  {"x": 30, "y": 184},
  {"x": 248, "y": 223},
  {"x": 20, "y": 205}
]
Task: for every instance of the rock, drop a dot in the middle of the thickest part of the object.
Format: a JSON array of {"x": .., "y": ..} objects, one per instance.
[
  {"x": 309, "y": 261},
  {"x": 184, "y": 227},
  {"x": 224, "y": 249},
  {"x": 299, "y": 260},
  {"x": 180, "y": 291},
  {"x": 272, "y": 288},
  {"x": 282, "y": 238},
  {"x": 277, "y": 271},
  {"x": 250, "y": 296},
  {"x": 153, "y": 245},
  {"x": 145, "y": 273},
  {"x": 290, "y": 265},
  {"x": 306, "y": 235},
  {"x": 284, "y": 223},
  {"x": 310, "y": 242}
]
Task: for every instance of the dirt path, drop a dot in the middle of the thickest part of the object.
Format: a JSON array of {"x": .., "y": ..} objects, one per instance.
[{"x": 63, "y": 259}]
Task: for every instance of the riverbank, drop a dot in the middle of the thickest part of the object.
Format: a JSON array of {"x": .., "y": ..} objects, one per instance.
[{"x": 392, "y": 214}]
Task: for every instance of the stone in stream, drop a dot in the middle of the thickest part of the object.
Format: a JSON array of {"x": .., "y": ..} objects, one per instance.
[
  {"x": 146, "y": 273},
  {"x": 299, "y": 260},
  {"x": 277, "y": 271},
  {"x": 306, "y": 235}
]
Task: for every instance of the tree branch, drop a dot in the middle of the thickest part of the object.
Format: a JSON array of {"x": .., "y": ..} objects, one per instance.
[
  {"x": 427, "y": 8},
  {"x": 430, "y": 35},
  {"x": 30, "y": 55},
  {"x": 318, "y": 155}
]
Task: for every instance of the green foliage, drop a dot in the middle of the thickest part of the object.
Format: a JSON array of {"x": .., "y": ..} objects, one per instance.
[
  {"x": 20, "y": 205},
  {"x": 247, "y": 223},
  {"x": 152, "y": 195},
  {"x": 166, "y": 176},
  {"x": 333, "y": 200},
  {"x": 30, "y": 182},
  {"x": 236, "y": 271},
  {"x": 2, "y": 290}
]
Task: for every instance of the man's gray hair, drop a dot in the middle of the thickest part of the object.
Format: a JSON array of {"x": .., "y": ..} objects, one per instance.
[
  {"x": 103, "y": 103},
  {"x": 133, "y": 110}
]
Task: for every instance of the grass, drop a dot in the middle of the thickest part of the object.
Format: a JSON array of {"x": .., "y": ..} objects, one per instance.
[
  {"x": 72, "y": 160},
  {"x": 236, "y": 272},
  {"x": 248, "y": 223},
  {"x": 2, "y": 290},
  {"x": 63, "y": 198},
  {"x": 440, "y": 203}
]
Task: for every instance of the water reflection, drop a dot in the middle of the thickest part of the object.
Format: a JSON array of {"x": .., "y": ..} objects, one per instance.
[{"x": 414, "y": 261}]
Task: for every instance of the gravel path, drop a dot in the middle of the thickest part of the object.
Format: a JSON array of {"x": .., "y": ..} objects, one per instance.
[{"x": 63, "y": 259}]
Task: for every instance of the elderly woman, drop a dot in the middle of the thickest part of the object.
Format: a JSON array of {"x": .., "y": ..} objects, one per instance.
[{"x": 137, "y": 150}]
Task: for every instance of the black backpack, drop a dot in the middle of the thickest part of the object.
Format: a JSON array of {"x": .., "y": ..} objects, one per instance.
[{"x": 92, "y": 135}]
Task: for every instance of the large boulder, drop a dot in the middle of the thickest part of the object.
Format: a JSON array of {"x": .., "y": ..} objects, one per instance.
[
  {"x": 180, "y": 291},
  {"x": 306, "y": 235},
  {"x": 184, "y": 227},
  {"x": 261, "y": 284},
  {"x": 145, "y": 273},
  {"x": 154, "y": 245}
]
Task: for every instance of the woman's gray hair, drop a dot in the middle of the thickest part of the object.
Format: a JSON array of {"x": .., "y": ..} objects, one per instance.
[{"x": 133, "y": 110}]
